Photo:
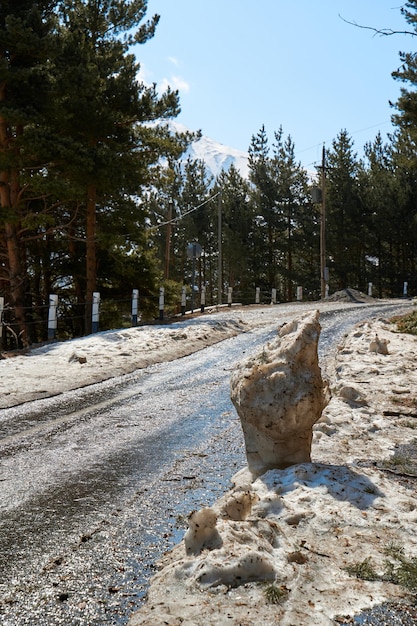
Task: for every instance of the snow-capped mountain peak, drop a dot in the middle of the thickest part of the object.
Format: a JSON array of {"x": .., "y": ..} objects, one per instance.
[{"x": 216, "y": 156}]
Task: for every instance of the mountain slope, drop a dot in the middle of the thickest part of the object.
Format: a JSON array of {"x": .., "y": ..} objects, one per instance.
[{"x": 216, "y": 156}]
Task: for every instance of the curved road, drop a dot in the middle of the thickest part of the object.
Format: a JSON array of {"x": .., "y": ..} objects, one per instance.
[{"x": 95, "y": 485}]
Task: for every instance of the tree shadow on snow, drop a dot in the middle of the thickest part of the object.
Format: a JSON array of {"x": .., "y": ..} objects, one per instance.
[{"x": 339, "y": 481}]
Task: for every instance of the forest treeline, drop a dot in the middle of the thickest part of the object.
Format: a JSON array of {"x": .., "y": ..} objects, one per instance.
[{"x": 95, "y": 194}]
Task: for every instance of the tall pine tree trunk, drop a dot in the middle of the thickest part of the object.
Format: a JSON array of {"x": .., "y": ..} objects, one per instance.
[
  {"x": 78, "y": 324},
  {"x": 271, "y": 268},
  {"x": 16, "y": 282},
  {"x": 90, "y": 257},
  {"x": 9, "y": 200},
  {"x": 289, "y": 258}
]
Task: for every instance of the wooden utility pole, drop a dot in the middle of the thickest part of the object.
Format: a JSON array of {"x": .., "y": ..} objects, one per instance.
[
  {"x": 220, "y": 261},
  {"x": 323, "y": 268},
  {"x": 168, "y": 242}
]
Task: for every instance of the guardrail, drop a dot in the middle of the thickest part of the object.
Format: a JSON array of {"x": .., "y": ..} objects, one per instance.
[{"x": 48, "y": 317}]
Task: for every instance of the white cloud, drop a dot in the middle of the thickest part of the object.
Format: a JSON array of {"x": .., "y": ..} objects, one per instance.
[
  {"x": 143, "y": 76},
  {"x": 174, "y": 61},
  {"x": 175, "y": 82}
]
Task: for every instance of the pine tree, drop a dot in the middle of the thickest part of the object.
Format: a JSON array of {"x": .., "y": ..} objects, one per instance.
[
  {"x": 291, "y": 199},
  {"x": 195, "y": 223},
  {"x": 27, "y": 46},
  {"x": 102, "y": 111},
  {"x": 346, "y": 226},
  {"x": 280, "y": 205},
  {"x": 162, "y": 205},
  {"x": 379, "y": 191},
  {"x": 264, "y": 198},
  {"x": 403, "y": 214},
  {"x": 406, "y": 118},
  {"x": 405, "y": 146},
  {"x": 237, "y": 233}
]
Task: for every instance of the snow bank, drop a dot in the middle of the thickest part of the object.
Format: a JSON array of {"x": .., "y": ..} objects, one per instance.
[
  {"x": 62, "y": 366},
  {"x": 286, "y": 542}
]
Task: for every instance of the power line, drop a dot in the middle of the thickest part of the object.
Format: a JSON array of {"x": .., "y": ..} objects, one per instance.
[
  {"x": 356, "y": 132},
  {"x": 176, "y": 219}
]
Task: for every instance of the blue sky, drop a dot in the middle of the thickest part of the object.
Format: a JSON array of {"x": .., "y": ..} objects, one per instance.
[{"x": 241, "y": 64}]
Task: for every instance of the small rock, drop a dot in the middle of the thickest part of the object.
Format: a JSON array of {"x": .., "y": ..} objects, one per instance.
[
  {"x": 379, "y": 346},
  {"x": 77, "y": 358}
]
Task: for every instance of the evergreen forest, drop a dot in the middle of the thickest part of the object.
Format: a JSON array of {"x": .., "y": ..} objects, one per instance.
[{"x": 96, "y": 197}]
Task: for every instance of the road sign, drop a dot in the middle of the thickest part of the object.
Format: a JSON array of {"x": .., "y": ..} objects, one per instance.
[{"x": 194, "y": 250}]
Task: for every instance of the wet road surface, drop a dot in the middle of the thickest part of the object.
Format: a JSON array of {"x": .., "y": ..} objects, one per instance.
[{"x": 96, "y": 484}]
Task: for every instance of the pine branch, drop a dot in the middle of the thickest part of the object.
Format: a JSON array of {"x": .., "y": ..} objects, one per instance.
[{"x": 379, "y": 31}]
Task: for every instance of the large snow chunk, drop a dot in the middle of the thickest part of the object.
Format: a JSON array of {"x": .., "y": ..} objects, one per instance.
[{"x": 279, "y": 394}]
